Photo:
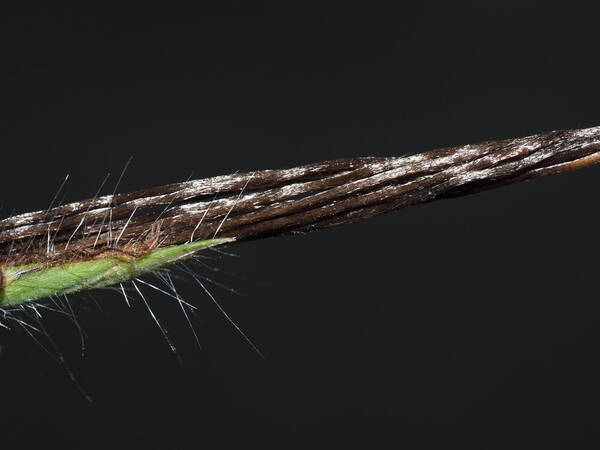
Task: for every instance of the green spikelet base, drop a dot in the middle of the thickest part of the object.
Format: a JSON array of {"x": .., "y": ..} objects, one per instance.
[{"x": 36, "y": 281}]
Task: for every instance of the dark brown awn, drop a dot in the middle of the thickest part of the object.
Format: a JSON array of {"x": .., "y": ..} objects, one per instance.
[{"x": 298, "y": 200}]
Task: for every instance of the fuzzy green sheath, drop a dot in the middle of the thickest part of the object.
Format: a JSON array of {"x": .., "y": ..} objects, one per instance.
[{"x": 35, "y": 281}]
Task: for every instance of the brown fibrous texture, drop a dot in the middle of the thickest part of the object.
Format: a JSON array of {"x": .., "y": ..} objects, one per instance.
[{"x": 273, "y": 202}]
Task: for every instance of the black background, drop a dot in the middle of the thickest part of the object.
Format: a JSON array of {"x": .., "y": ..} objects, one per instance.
[{"x": 466, "y": 323}]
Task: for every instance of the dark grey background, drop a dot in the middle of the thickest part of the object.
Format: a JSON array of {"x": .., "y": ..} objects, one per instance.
[{"x": 467, "y": 323}]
